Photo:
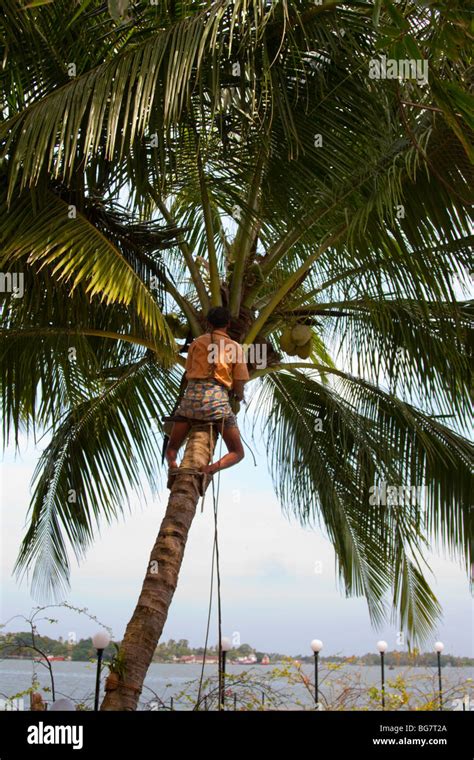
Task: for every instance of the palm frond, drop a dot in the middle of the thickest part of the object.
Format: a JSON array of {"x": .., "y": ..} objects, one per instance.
[
  {"x": 77, "y": 253},
  {"x": 103, "y": 447},
  {"x": 420, "y": 348},
  {"x": 331, "y": 452}
]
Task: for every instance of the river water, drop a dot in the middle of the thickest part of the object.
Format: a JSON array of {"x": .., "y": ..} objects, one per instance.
[{"x": 247, "y": 687}]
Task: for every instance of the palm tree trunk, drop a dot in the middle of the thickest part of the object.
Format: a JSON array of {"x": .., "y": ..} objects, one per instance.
[{"x": 124, "y": 686}]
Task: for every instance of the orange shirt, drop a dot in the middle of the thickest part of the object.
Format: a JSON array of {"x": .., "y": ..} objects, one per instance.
[{"x": 226, "y": 354}]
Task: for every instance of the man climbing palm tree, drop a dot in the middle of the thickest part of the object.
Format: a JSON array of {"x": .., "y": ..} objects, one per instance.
[{"x": 213, "y": 370}]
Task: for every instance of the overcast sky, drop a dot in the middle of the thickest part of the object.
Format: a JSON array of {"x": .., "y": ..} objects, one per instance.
[{"x": 278, "y": 580}]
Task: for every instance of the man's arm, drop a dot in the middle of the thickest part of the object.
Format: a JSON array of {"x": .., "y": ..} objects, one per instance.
[
  {"x": 238, "y": 388},
  {"x": 240, "y": 374},
  {"x": 189, "y": 360}
]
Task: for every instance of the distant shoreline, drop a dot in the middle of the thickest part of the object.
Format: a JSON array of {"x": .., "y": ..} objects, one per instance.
[
  {"x": 402, "y": 663},
  {"x": 20, "y": 646}
]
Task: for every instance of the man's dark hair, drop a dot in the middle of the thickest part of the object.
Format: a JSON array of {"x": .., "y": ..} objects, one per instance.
[{"x": 218, "y": 316}]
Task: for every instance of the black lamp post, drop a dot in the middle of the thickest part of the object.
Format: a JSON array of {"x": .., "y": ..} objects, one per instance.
[
  {"x": 382, "y": 647},
  {"x": 100, "y": 641},
  {"x": 226, "y": 645},
  {"x": 439, "y": 646},
  {"x": 316, "y": 646}
]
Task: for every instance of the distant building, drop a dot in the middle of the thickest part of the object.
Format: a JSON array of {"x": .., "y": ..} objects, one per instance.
[
  {"x": 190, "y": 658},
  {"x": 250, "y": 659}
]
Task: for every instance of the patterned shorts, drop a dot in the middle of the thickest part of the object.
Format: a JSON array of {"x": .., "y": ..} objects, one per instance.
[{"x": 206, "y": 400}]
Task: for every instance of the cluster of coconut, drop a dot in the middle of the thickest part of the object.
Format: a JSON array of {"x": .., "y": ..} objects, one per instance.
[
  {"x": 296, "y": 341},
  {"x": 178, "y": 328}
]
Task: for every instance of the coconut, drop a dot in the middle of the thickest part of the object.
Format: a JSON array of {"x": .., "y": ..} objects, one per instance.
[
  {"x": 301, "y": 334},
  {"x": 178, "y": 328},
  {"x": 286, "y": 343},
  {"x": 256, "y": 272},
  {"x": 304, "y": 351}
]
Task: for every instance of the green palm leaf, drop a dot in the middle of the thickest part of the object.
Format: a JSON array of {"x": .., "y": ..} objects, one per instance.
[
  {"x": 103, "y": 447},
  {"x": 329, "y": 452},
  {"x": 175, "y": 116},
  {"x": 78, "y": 253}
]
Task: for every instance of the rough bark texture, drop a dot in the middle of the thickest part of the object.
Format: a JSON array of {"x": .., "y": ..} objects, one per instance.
[{"x": 146, "y": 625}]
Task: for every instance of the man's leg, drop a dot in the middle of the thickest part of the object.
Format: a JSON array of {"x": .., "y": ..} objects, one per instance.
[
  {"x": 233, "y": 442},
  {"x": 178, "y": 434}
]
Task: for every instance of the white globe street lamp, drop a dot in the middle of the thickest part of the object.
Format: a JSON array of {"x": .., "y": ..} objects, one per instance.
[
  {"x": 382, "y": 646},
  {"x": 226, "y": 646},
  {"x": 438, "y": 647},
  {"x": 316, "y": 646},
  {"x": 100, "y": 641}
]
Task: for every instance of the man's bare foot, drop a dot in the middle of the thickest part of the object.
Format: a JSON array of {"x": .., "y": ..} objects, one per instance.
[{"x": 171, "y": 456}]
